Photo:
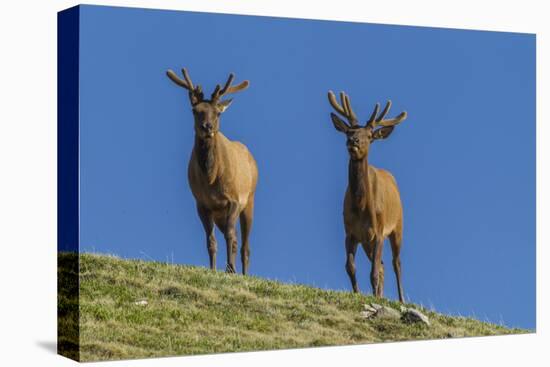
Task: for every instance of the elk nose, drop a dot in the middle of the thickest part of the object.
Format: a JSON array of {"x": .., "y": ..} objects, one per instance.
[
  {"x": 207, "y": 126},
  {"x": 353, "y": 140}
]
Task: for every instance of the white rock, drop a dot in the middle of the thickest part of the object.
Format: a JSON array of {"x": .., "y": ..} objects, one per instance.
[
  {"x": 367, "y": 314},
  {"x": 376, "y": 306},
  {"x": 386, "y": 312},
  {"x": 375, "y": 310},
  {"x": 369, "y": 308},
  {"x": 142, "y": 302}
]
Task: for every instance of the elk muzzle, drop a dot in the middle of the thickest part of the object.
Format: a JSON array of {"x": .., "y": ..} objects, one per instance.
[
  {"x": 207, "y": 129},
  {"x": 353, "y": 144}
]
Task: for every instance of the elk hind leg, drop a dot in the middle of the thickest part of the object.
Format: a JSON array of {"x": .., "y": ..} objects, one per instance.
[
  {"x": 395, "y": 240},
  {"x": 246, "y": 219}
]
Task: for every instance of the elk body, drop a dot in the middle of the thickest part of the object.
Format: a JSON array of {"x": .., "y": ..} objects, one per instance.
[
  {"x": 372, "y": 204},
  {"x": 222, "y": 173}
]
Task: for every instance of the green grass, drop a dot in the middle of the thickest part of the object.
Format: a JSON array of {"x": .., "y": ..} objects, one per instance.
[{"x": 192, "y": 310}]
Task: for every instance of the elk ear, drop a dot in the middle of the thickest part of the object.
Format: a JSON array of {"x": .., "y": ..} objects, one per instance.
[
  {"x": 382, "y": 133},
  {"x": 222, "y": 105},
  {"x": 338, "y": 123}
]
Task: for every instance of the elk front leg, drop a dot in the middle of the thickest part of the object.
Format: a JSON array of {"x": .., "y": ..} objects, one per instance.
[
  {"x": 230, "y": 235},
  {"x": 369, "y": 251},
  {"x": 208, "y": 224},
  {"x": 351, "y": 249},
  {"x": 377, "y": 275}
]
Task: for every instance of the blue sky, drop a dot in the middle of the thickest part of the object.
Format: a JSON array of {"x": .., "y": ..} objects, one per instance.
[{"x": 464, "y": 159}]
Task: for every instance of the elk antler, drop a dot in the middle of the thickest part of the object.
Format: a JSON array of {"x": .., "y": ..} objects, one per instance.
[
  {"x": 195, "y": 93},
  {"x": 228, "y": 88},
  {"x": 345, "y": 108},
  {"x": 375, "y": 121}
]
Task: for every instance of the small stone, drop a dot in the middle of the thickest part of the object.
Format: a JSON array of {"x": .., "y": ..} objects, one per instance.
[
  {"x": 369, "y": 308},
  {"x": 411, "y": 315},
  {"x": 367, "y": 314},
  {"x": 142, "y": 302}
]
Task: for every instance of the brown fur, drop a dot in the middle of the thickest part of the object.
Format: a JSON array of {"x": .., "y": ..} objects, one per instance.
[
  {"x": 372, "y": 204},
  {"x": 222, "y": 175}
]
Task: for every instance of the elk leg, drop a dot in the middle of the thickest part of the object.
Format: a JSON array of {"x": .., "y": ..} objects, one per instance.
[
  {"x": 246, "y": 219},
  {"x": 208, "y": 224},
  {"x": 395, "y": 240},
  {"x": 351, "y": 249},
  {"x": 376, "y": 267},
  {"x": 230, "y": 235},
  {"x": 380, "y": 289},
  {"x": 369, "y": 250}
]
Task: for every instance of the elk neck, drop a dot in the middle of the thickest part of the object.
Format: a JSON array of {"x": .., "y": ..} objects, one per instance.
[
  {"x": 206, "y": 151},
  {"x": 359, "y": 182}
]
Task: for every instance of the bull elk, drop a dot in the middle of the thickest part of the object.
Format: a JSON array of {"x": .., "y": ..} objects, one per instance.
[
  {"x": 372, "y": 205},
  {"x": 222, "y": 173}
]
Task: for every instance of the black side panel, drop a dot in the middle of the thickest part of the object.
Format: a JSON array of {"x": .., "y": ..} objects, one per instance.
[{"x": 67, "y": 182}]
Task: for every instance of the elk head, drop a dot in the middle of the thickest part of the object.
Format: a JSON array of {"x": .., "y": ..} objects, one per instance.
[
  {"x": 360, "y": 137},
  {"x": 207, "y": 112}
]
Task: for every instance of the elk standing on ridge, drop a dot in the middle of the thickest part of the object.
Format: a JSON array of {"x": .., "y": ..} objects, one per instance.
[
  {"x": 222, "y": 173},
  {"x": 372, "y": 205}
]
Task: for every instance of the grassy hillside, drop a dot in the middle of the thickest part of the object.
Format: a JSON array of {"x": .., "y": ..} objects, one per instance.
[{"x": 136, "y": 309}]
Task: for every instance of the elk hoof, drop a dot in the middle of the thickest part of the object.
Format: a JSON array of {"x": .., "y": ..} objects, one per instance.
[{"x": 230, "y": 269}]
